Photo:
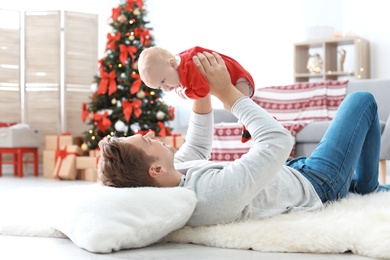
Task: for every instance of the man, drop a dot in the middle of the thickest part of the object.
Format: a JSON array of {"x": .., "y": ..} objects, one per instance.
[{"x": 259, "y": 184}]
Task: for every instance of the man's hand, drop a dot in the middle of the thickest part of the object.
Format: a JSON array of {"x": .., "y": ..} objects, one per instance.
[{"x": 214, "y": 69}]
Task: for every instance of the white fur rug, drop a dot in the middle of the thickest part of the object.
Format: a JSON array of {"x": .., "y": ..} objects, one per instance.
[{"x": 360, "y": 224}]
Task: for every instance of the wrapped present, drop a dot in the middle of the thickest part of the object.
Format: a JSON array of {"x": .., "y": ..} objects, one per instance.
[
  {"x": 89, "y": 174},
  {"x": 48, "y": 163},
  {"x": 55, "y": 142},
  {"x": 65, "y": 162},
  {"x": 86, "y": 162},
  {"x": 175, "y": 140},
  {"x": 94, "y": 153},
  {"x": 19, "y": 135}
]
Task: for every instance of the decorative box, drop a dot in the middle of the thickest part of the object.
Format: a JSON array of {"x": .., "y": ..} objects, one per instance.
[
  {"x": 174, "y": 140},
  {"x": 55, "y": 142},
  {"x": 19, "y": 135},
  {"x": 86, "y": 162},
  {"x": 48, "y": 163},
  {"x": 89, "y": 174},
  {"x": 65, "y": 162},
  {"x": 94, "y": 153}
]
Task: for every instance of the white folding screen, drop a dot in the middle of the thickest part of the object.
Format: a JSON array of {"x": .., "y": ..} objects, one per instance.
[
  {"x": 10, "y": 77},
  {"x": 47, "y": 65}
]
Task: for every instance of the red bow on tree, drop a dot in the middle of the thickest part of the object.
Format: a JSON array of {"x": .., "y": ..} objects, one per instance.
[
  {"x": 108, "y": 80},
  {"x": 84, "y": 112},
  {"x": 143, "y": 34},
  {"x": 140, "y": 4},
  {"x": 125, "y": 51},
  {"x": 112, "y": 39},
  {"x": 171, "y": 112},
  {"x": 129, "y": 107},
  {"x": 116, "y": 12},
  {"x": 162, "y": 131},
  {"x": 102, "y": 121},
  {"x": 101, "y": 64},
  {"x": 136, "y": 84}
]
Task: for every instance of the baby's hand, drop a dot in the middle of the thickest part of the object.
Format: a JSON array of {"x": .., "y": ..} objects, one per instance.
[{"x": 180, "y": 91}]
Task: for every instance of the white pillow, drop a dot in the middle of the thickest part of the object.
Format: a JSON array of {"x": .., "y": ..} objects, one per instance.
[{"x": 103, "y": 219}]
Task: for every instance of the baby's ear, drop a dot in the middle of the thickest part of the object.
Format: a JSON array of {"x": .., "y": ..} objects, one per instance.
[{"x": 173, "y": 63}]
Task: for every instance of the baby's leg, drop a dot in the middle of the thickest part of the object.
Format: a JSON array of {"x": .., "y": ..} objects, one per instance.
[{"x": 245, "y": 87}]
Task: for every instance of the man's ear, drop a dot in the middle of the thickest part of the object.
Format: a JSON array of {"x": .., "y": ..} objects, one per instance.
[
  {"x": 156, "y": 171},
  {"x": 172, "y": 62}
]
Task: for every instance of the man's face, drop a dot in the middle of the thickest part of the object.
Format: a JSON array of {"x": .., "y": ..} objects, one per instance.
[{"x": 152, "y": 146}]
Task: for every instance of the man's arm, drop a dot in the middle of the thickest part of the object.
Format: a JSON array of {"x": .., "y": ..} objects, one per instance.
[
  {"x": 202, "y": 105},
  {"x": 199, "y": 133}
]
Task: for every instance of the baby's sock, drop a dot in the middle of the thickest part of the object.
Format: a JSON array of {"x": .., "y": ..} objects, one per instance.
[{"x": 246, "y": 136}]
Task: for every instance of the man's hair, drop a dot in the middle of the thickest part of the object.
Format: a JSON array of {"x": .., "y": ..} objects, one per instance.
[{"x": 122, "y": 164}]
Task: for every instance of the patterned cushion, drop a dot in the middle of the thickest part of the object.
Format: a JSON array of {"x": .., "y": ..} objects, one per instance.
[
  {"x": 294, "y": 106},
  {"x": 302, "y": 100}
]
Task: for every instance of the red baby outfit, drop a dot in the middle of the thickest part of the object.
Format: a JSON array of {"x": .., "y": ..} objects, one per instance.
[{"x": 196, "y": 85}]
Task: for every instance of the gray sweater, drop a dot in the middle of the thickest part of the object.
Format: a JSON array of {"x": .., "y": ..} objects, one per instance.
[{"x": 255, "y": 186}]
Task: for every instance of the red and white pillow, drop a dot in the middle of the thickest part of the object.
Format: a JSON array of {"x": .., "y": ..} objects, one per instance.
[{"x": 294, "y": 106}]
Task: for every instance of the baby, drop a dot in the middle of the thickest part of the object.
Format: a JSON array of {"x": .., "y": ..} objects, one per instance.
[{"x": 161, "y": 69}]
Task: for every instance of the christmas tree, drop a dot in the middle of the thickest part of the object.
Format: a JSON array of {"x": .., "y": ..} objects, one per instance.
[{"x": 122, "y": 105}]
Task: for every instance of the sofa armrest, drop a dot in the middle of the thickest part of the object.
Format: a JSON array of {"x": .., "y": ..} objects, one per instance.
[{"x": 385, "y": 142}]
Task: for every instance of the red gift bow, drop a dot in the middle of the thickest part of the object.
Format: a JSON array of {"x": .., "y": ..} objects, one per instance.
[
  {"x": 144, "y": 35},
  {"x": 129, "y": 107},
  {"x": 84, "y": 112},
  {"x": 61, "y": 154},
  {"x": 108, "y": 80},
  {"x": 174, "y": 140},
  {"x": 136, "y": 85},
  {"x": 125, "y": 51},
  {"x": 140, "y": 4},
  {"x": 112, "y": 39},
  {"x": 103, "y": 122}
]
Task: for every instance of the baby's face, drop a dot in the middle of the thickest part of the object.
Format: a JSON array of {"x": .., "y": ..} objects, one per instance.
[{"x": 162, "y": 76}]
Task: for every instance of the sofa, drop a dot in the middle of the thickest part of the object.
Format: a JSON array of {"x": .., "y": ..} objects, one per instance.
[{"x": 307, "y": 138}]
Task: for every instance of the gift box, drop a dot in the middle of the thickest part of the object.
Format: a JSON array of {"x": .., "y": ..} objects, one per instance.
[
  {"x": 175, "y": 140},
  {"x": 65, "y": 162},
  {"x": 55, "y": 142},
  {"x": 48, "y": 163},
  {"x": 94, "y": 153},
  {"x": 86, "y": 162},
  {"x": 19, "y": 135},
  {"x": 89, "y": 174}
]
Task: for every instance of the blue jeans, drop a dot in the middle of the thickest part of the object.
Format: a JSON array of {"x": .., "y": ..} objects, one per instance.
[{"x": 347, "y": 158}]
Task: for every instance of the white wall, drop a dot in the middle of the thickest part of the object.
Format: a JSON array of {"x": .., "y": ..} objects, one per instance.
[{"x": 259, "y": 34}]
